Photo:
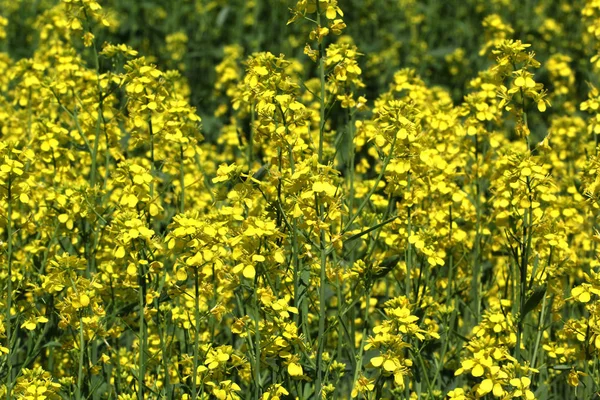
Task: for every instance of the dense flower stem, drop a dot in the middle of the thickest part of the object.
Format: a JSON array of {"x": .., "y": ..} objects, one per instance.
[
  {"x": 321, "y": 212},
  {"x": 181, "y": 180},
  {"x": 79, "y": 394},
  {"x": 142, "y": 338},
  {"x": 9, "y": 292},
  {"x": 196, "y": 333}
]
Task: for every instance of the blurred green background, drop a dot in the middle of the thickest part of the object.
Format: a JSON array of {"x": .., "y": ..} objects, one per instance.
[{"x": 446, "y": 42}]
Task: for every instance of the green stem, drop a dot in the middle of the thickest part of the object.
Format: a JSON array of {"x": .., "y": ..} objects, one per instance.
[
  {"x": 525, "y": 248},
  {"x": 321, "y": 211},
  {"x": 257, "y": 356},
  {"x": 182, "y": 181},
  {"x": 7, "y": 321},
  {"x": 408, "y": 258},
  {"x": 359, "y": 358},
  {"x": 79, "y": 394},
  {"x": 142, "y": 333},
  {"x": 539, "y": 334},
  {"x": 196, "y": 333},
  {"x": 476, "y": 279},
  {"x": 364, "y": 203},
  {"x": 250, "y": 145},
  {"x": 322, "y": 98},
  {"x": 100, "y": 101},
  {"x": 351, "y": 166}
]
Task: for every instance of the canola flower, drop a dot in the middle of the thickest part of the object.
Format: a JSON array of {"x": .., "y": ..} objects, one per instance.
[{"x": 311, "y": 237}]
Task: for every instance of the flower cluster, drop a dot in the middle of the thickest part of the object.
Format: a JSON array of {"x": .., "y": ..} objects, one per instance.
[{"x": 357, "y": 203}]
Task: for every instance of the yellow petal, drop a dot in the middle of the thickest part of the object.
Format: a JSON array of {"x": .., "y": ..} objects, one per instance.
[
  {"x": 498, "y": 390},
  {"x": 485, "y": 387},
  {"x": 520, "y": 81},
  {"x": 84, "y": 300},
  {"x": 584, "y": 297},
  {"x": 526, "y": 172},
  {"x": 181, "y": 275},
  {"x": 295, "y": 369},
  {"x": 279, "y": 257},
  {"x": 330, "y": 14},
  {"x": 120, "y": 252},
  {"x": 131, "y": 270},
  {"x": 478, "y": 371},
  {"x": 249, "y": 272},
  {"x": 29, "y": 325},
  {"x": 318, "y": 187},
  {"x": 260, "y": 70},
  {"x": 377, "y": 361},
  {"x": 541, "y": 106},
  {"x": 389, "y": 365}
]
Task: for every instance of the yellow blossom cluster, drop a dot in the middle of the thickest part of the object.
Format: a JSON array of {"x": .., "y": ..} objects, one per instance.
[{"x": 316, "y": 200}]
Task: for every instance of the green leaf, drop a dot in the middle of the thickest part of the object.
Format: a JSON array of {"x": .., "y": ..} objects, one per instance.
[
  {"x": 533, "y": 300},
  {"x": 562, "y": 367}
]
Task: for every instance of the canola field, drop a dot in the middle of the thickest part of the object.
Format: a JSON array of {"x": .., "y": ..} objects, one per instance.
[{"x": 299, "y": 199}]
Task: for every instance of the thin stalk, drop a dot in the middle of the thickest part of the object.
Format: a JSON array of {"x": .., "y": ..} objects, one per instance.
[
  {"x": 320, "y": 209},
  {"x": 142, "y": 333},
  {"x": 100, "y": 101},
  {"x": 525, "y": 247},
  {"x": 322, "y": 312},
  {"x": 351, "y": 167},
  {"x": 539, "y": 334},
  {"x": 79, "y": 395},
  {"x": 408, "y": 258},
  {"x": 196, "y": 333},
  {"x": 152, "y": 161},
  {"x": 257, "y": 384},
  {"x": 322, "y": 96},
  {"x": 476, "y": 279},
  {"x": 182, "y": 181},
  {"x": 359, "y": 358},
  {"x": 250, "y": 145},
  {"x": 386, "y": 161},
  {"x": 9, "y": 382}
]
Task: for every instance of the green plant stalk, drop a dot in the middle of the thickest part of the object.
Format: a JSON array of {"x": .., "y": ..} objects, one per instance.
[
  {"x": 539, "y": 335},
  {"x": 526, "y": 245},
  {"x": 408, "y": 257},
  {"x": 89, "y": 230},
  {"x": 163, "y": 348},
  {"x": 100, "y": 101},
  {"x": 196, "y": 333},
  {"x": 79, "y": 394},
  {"x": 182, "y": 181},
  {"x": 359, "y": 357},
  {"x": 302, "y": 283},
  {"x": 257, "y": 384},
  {"x": 152, "y": 161},
  {"x": 9, "y": 233},
  {"x": 351, "y": 167},
  {"x": 322, "y": 94},
  {"x": 322, "y": 312},
  {"x": 476, "y": 279},
  {"x": 449, "y": 298},
  {"x": 250, "y": 145},
  {"x": 142, "y": 333},
  {"x": 430, "y": 388},
  {"x": 364, "y": 203},
  {"x": 321, "y": 211}
]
